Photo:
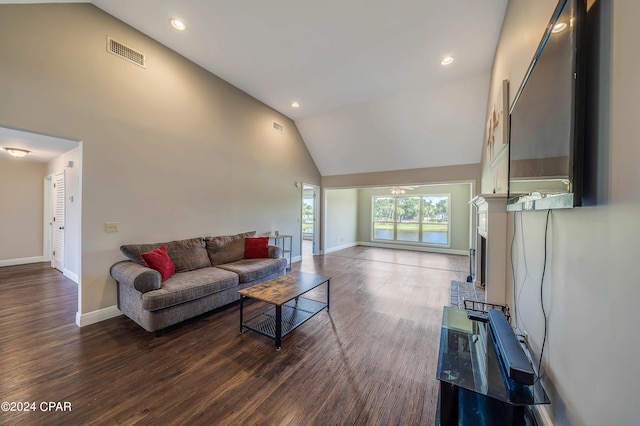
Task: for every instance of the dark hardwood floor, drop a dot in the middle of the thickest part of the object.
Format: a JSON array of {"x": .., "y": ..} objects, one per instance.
[{"x": 371, "y": 360}]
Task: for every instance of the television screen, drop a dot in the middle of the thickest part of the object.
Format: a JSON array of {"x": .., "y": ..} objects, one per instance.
[{"x": 547, "y": 119}]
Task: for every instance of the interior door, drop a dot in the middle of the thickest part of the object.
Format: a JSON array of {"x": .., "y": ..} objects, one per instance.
[
  {"x": 58, "y": 221},
  {"x": 310, "y": 216}
]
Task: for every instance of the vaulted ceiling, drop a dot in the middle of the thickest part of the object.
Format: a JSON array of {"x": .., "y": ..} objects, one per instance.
[{"x": 373, "y": 95}]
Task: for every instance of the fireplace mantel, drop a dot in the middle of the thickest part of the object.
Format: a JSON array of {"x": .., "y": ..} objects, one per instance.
[{"x": 492, "y": 252}]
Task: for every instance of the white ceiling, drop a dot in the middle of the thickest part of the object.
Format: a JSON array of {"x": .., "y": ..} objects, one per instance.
[
  {"x": 43, "y": 148},
  {"x": 373, "y": 95}
]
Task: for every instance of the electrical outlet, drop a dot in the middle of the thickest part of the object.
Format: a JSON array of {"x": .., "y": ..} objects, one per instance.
[
  {"x": 111, "y": 226},
  {"x": 526, "y": 339}
]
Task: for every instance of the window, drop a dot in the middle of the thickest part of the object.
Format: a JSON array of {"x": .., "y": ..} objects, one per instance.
[
  {"x": 435, "y": 219},
  {"x": 408, "y": 219},
  {"x": 383, "y": 222},
  {"x": 415, "y": 219}
]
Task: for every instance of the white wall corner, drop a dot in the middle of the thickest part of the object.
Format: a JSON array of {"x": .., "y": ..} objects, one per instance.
[
  {"x": 71, "y": 275},
  {"x": 340, "y": 247},
  {"x": 97, "y": 316}
]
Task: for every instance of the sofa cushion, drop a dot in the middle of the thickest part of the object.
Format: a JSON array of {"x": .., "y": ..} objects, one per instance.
[
  {"x": 256, "y": 248},
  {"x": 253, "y": 269},
  {"x": 134, "y": 252},
  {"x": 186, "y": 255},
  {"x": 226, "y": 248},
  {"x": 189, "y": 254},
  {"x": 275, "y": 252},
  {"x": 159, "y": 260},
  {"x": 186, "y": 286}
]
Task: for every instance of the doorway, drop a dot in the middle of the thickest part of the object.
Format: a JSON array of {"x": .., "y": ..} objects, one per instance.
[
  {"x": 309, "y": 219},
  {"x": 55, "y": 163}
]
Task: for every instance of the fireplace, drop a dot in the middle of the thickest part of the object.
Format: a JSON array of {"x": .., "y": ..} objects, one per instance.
[{"x": 491, "y": 246}]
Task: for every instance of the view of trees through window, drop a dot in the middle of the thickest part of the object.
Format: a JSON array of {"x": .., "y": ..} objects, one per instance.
[
  {"x": 416, "y": 219},
  {"x": 307, "y": 218}
]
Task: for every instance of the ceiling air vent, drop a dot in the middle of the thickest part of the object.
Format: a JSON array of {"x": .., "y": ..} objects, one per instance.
[
  {"x": 125, "y": 52},
  {"x": 278, "y": 127}
]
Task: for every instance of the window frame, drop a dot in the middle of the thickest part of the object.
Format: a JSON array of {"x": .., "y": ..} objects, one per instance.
[{"x": 420, "y": 221}]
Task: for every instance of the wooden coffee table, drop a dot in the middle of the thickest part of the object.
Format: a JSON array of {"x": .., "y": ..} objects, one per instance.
[{"x": 289, "y": 309}]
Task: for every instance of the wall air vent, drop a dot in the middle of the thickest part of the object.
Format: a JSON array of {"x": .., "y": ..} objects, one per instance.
[
  {"x": 278, "y": 127},
  {"x": 125, "y": 52}
]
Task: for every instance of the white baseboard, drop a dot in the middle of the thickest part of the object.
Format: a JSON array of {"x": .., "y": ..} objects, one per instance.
[
  {"x": 71, "y": 275},
  {"x": 415, "y": 248},
  {"x": 97, "y": 316},
  {"x": 22, "y": 261},
  {"x": 340, "y": 247}
]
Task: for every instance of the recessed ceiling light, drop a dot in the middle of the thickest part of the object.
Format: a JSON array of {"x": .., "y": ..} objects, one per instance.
[
  {"x": 178, "y": 24},
  {"x": 295, "y": 105},
  {"x": 446, "y": 60},
  {"x": 560, "y": 26}
]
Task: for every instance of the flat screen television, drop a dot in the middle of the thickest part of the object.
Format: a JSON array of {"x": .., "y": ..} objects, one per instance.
[{"x": 546, "y": 140}]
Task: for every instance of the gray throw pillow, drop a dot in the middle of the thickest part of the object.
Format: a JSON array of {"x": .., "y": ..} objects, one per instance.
[{"x": 226, "y": 248}]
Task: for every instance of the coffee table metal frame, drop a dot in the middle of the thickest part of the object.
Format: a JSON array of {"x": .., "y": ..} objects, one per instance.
[{"x": 289, "y": 309}]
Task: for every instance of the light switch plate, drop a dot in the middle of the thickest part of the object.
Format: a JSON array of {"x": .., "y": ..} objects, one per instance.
[{"x": 111, "y": 226}]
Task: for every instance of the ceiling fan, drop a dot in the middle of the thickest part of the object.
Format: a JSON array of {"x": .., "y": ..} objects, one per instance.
[{"x": 399, "y": 190}]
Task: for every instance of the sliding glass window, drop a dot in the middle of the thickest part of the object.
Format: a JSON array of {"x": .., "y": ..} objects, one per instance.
[{"x": 414, "y": 219}]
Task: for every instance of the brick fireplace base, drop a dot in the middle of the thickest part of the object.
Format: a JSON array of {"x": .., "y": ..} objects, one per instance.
[{"x": 461, "y": 291}]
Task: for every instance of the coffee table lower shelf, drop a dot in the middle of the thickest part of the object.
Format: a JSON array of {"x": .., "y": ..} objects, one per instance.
[{"x": 294, "y": 313}]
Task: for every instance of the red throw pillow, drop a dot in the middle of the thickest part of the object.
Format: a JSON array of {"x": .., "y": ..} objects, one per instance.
[
  {"x": 159, "y": 260},
  {"x": 256, "y": 248}
]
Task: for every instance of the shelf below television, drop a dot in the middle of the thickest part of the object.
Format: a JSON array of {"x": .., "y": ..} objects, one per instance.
[{"x": 532, "y": 202}]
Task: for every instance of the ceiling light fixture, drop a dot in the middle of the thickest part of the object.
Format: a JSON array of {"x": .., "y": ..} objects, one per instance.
[
  {"x": 17, "y": 152},
  {"x": 560, "y": 26},
  {"x": 397, "y": 191},
  {"x": 446, "y": 60},
  {"x": 295, "y": 105},
  {"x": 178, "y": 24}
]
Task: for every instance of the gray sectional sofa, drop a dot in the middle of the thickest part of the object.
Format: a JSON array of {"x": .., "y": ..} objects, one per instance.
[{"x": 209, "y": 271}]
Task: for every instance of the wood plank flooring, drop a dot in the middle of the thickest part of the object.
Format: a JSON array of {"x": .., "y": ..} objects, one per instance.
[{"x": 371, "y": 360}]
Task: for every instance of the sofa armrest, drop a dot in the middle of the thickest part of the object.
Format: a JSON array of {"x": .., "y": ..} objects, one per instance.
[
  {"x": 275, "y": 252},
  {"x": 137, "y": 276}
]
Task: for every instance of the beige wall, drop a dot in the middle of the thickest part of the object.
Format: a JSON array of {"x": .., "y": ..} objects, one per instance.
[
  {"x": 341, "y": 220},
  {"x": 169, "y": 152},
  {"x": 21, "y": 210},
  {"x": 590, "y": 293}
]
